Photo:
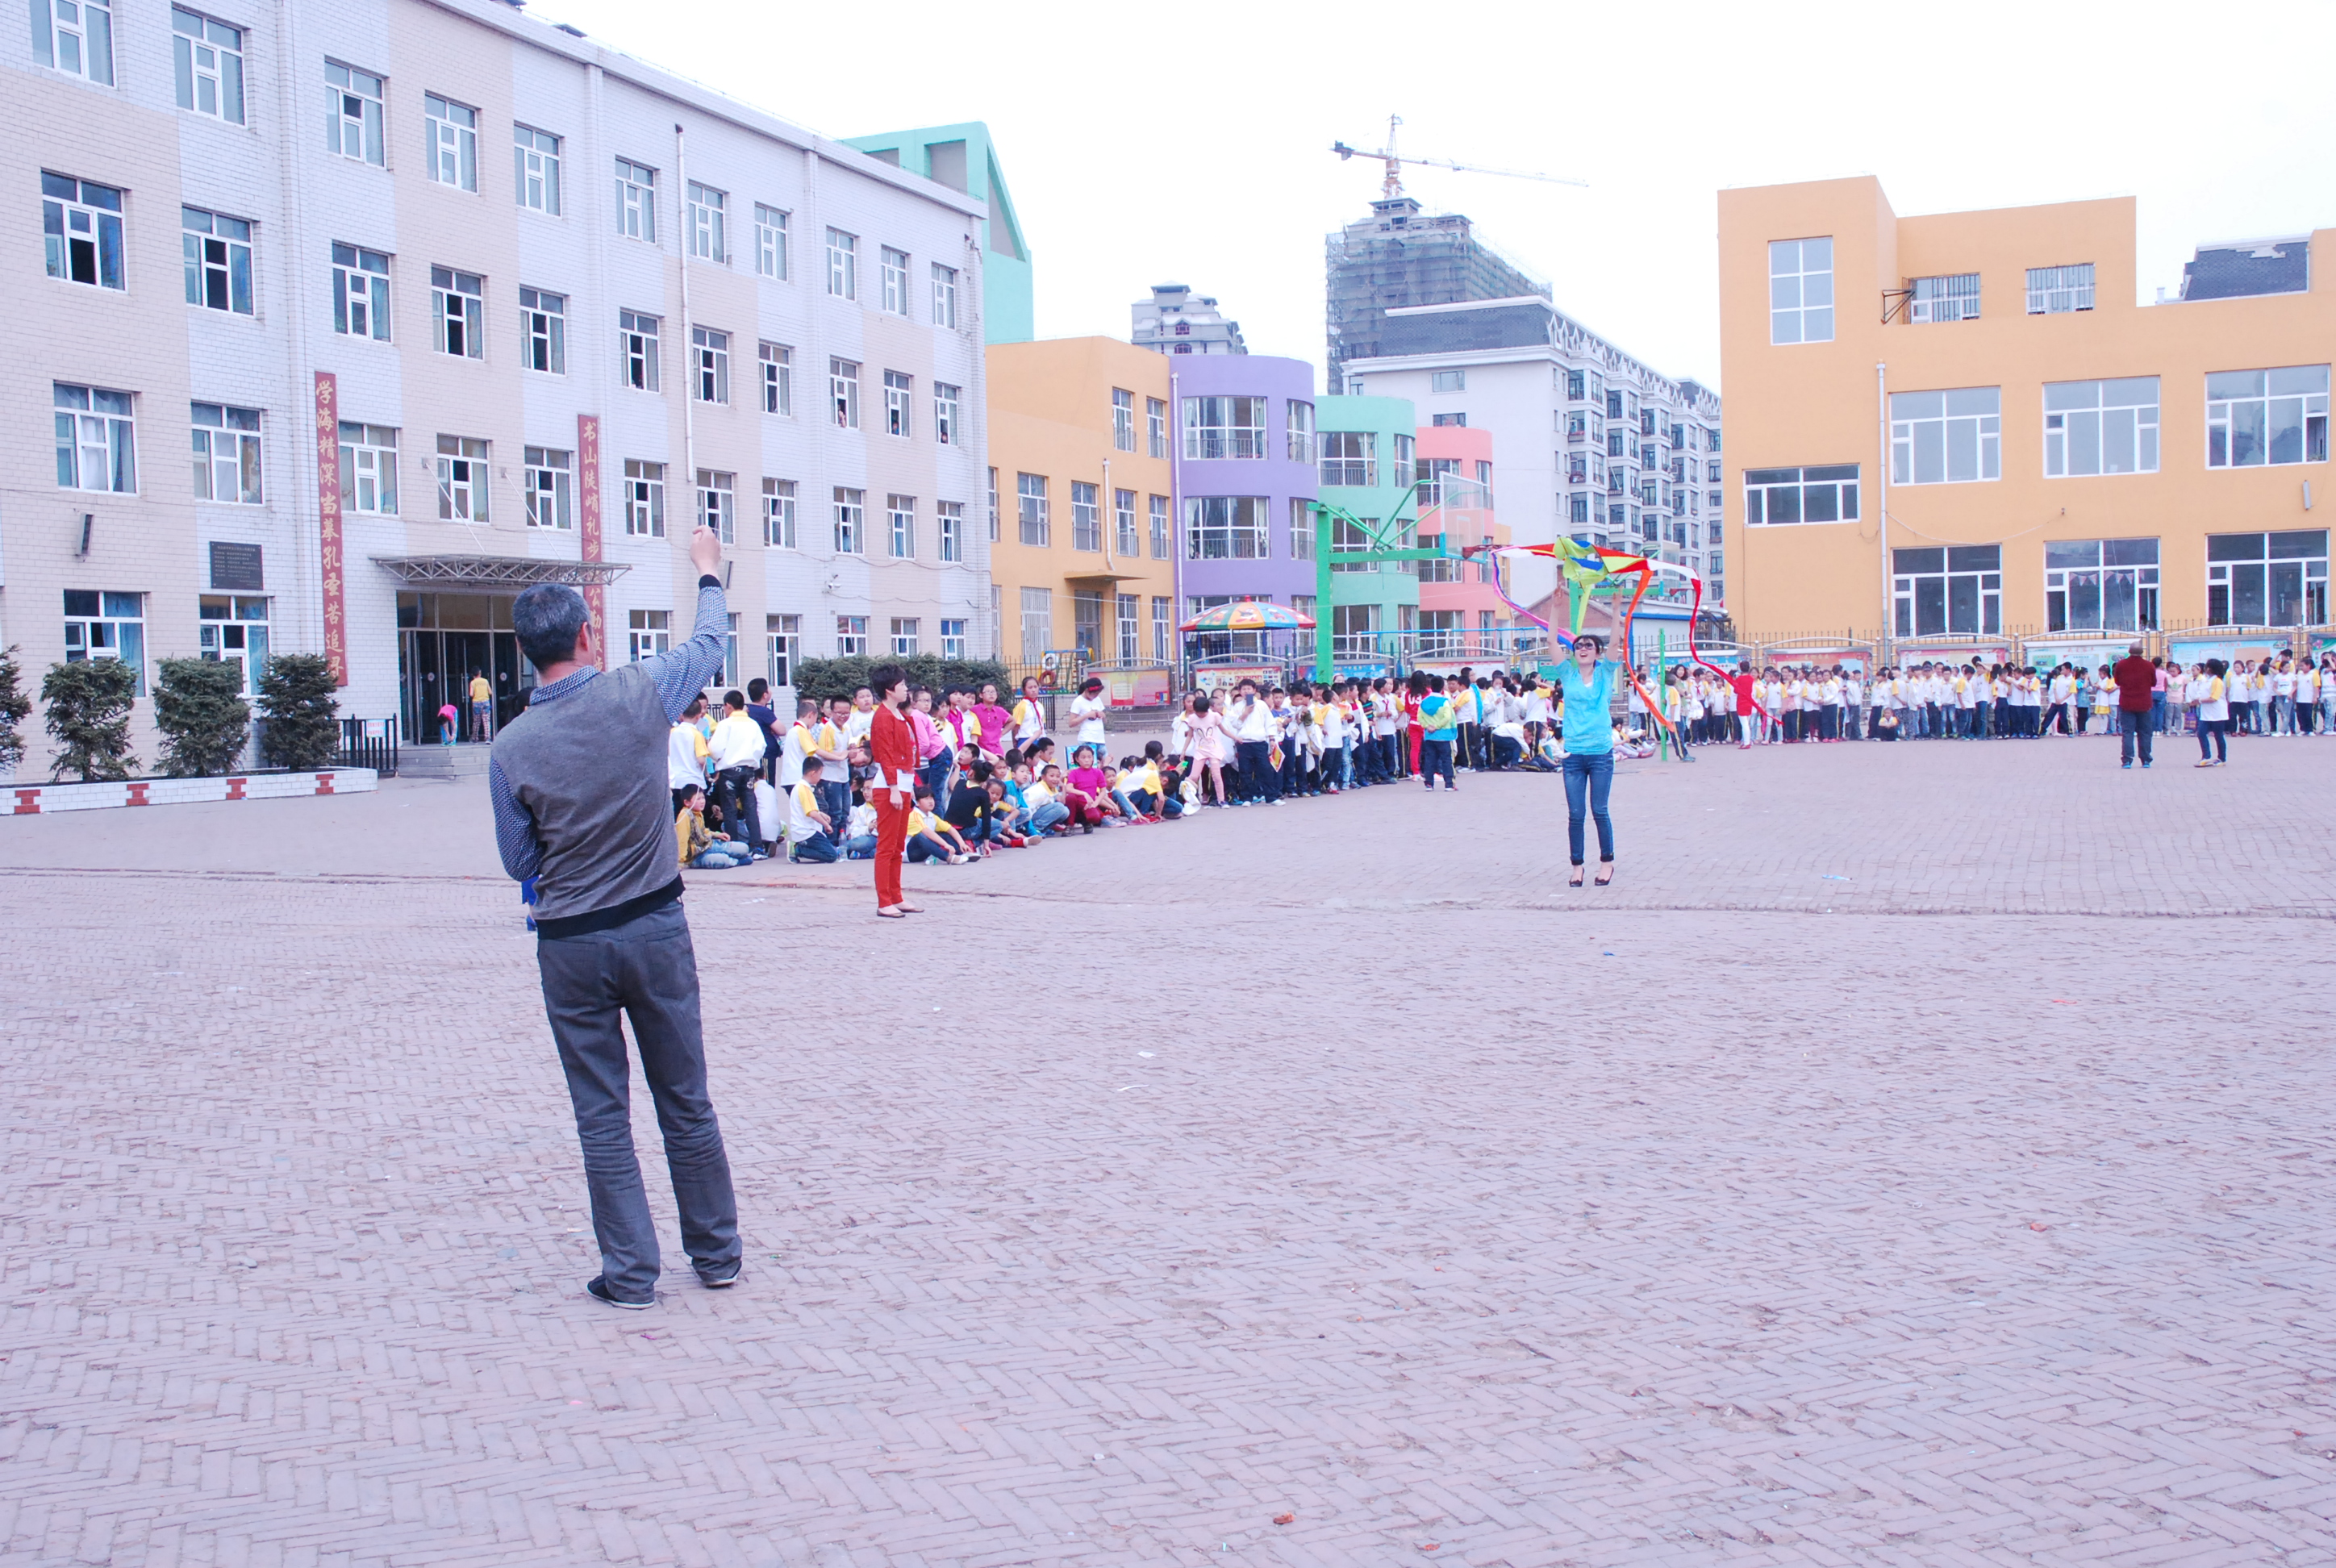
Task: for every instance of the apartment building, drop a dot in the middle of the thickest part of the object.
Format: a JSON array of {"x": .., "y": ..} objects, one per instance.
[
  {"x": 1964, "y": 428},
  {"x": 1176, "y": 320},
  {"x": 1367, "y": 469},
  {"x": 963, "y": 158},
  {"x": 1595, "y": 444},
  {"x": 1082, "y": 510},
  {"x": 1460, "y": 606},
  {"x": 444, "y": 301},
  {"x": 1245, "y": 476}
]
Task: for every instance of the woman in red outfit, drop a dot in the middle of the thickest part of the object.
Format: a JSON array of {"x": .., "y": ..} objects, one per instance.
[{"x": 893, "y": 791}]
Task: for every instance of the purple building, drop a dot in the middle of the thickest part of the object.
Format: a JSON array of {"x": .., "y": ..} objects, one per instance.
[{"x": 1245, "y": 470}]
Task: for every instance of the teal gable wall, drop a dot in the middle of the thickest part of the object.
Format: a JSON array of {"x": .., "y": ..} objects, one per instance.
[{"x": 1008, "y": 299}]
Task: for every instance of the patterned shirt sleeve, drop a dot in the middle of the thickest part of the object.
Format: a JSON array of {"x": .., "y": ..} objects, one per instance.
[
  {"x": 683, "y": 673},
  {"x": 514, "y": 827}
]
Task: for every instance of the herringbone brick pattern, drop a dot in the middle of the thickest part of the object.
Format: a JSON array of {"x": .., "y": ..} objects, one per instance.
[{"x": 1651, "y": 1235}]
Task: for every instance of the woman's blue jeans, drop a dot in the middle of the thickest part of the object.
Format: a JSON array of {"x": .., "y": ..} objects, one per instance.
[{"x": 1588, "y": 779}]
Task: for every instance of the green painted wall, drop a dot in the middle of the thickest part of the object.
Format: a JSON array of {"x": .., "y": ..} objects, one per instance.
[
  {"x": 966, "y": 161},
  {"x": 1384, "y": 419}
]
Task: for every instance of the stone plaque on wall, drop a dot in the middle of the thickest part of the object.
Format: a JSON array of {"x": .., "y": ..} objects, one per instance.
[{"x": 235, "y": 569}]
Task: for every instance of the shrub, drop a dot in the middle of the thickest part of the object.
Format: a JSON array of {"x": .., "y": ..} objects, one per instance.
[
  {"x": 198, "y": 706},
  {"x": 299, "y": 701},
  {"x": 89, "y": 717},
  {"x": 13, "y": 706},
  {"x": 828, "y": 678}
]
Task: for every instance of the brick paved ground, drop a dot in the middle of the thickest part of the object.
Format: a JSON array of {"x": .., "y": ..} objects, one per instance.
[{"x": 1690, "y": 1224}]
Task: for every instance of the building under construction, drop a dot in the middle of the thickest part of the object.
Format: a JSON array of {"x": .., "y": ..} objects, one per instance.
[{"x": 1399, "y": 257}]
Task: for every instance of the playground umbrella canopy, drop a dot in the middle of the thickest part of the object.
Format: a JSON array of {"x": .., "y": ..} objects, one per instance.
[{"x": 1249, "y": 615}]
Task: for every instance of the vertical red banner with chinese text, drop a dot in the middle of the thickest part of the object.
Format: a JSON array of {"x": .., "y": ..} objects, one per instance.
[
  {"x": 328, "y": 524},
  {"x": 588, "y": 505}
]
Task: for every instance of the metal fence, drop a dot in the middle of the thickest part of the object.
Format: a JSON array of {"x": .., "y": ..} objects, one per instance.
[{"x": 369, "y": 743}]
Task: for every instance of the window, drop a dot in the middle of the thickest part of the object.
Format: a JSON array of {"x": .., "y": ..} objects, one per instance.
[
  {"x": 729, "y": 676},
  {"x": 636, "y": 343},
  {"x": 461, "y": 478},
  {"x": 1954, "y": 591},
  {"x": 535, "y": 165},
  {"x": 1122, "y": 419},
  {"x": 227, "y": 454},
  {"x": 1800, "y": 292},
  {"x": 1302, "y": 529},
  {"x": 96, "y": 446},
  {"x": 850, "y": 509},
  {"x": 635, "y": 200},
  {"x": 1785, "y": 495},
  {"x": 953, "y": 639},
  {"x": 1950, "y": 298},
  {"x": 360, "y": 293},
  {"x": 1449, "y": 381},
  {"x": 944, "y": 296},
  {"x": 1037, "y": 623},
  {"x": 717, "y": 503},
  {"x": 75, "y": 36},
  {"x": 1945, "y": 437},
  {"x": 1156, "y": 420},
  {"x": 1086, "y": 517},
  {"x": 217, "y": 253},
  {"x": 644, "y": 499},
  {"x": 2057, "y": 290},
  {"x": 1298, "y": 418},
  {"x": 81, "y": 230},
  {"x": 993, "y": 506},
  {"x": 844, "y": 393},
  {"x": 945, "y": 414},
  {"x": 779, "y": 513},
  {"x": 895, "y": 266},
  {"x": 1350, "y": 536},
  {"x": 1403, "y": 446},
  {"x": 778, "y": 362},
  {"x": 1577, "y": 507},
  {"x": 904, "y": 636},
  {"x": 708, "y": 212},
  {"x": 543, "y": 331},
  {"x": 2259, "y": 417},
  {"x": 1159, "y": 528},
  {"x": 951, "y": 514},
  {"x": 548, "y": 479},
  {"x": 1350, "y": 457},
  {"x": 2267, "y": 578},
  {"x": 651, "y": 633},
  {"x": 1030, "y": 492},
  {"x": 1160, "y": 629},
  {"x": 770, "y": 242},
  {"x": 901, "y": 513},
  {"x": 1129, "y": 541},
  {"x": 1130, "y": 618},
  {"x": 842, "y": 264},
  {"x": 898, "y": 388},
  {"x": 234, "y": 630},
  {"x": 352, "y": 123},
  {"x": 1087, "y": 624},
  {"x": 785, "y": 635},
  {"x": 1454, "y": 421},
  {"x": 208, "y": 56},
  {"x": 1226, "y": 527},
  {"x": 452, "y": 133},
  {"x": 2100, "y": 585},
  {"x": 1573, "y": 383},
  {"x": 1217, "y": 427},
  {"x": 369, "y": 468},
  {"x": 851, "y": 636},
  {"x": 709, "y": 354},
  {"x": 106, "y": 625},
  {"x": 2100, "y": 426},
  {"x": 458, "y": 313}
]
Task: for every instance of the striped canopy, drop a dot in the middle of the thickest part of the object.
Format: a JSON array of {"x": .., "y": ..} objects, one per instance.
[{"x": 1250, "y": 615}]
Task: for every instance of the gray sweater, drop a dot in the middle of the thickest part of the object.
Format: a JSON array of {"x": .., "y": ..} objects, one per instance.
[{"x": 578, "y": 783}]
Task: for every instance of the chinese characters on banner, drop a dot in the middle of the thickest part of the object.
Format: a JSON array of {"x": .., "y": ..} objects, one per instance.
[
  {"x": 587, "y": 499},
  {"x": 328, "y": 523}
]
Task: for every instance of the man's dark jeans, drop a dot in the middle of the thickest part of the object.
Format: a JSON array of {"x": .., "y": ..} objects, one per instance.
[
  {"x": 734, "y": 798},
  {"x": 646, "y": 969},
  {"x": 2130, "y": 724},
  {"x": 1254, "y": 760}
]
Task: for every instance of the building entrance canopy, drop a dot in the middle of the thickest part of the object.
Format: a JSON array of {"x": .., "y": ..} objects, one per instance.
[{"x": 492, "y": 572}]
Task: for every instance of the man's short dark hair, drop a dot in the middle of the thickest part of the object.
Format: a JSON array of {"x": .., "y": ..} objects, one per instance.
[
  {"x": 734, "y": 699},
  {"x": 547, "y": 618},
  {"x": 811, "y": 764},
  {"x": 758, "y": 688}
]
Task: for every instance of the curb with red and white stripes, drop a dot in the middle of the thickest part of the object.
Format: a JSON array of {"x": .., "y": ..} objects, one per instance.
[{"x": 41, "y": 800}]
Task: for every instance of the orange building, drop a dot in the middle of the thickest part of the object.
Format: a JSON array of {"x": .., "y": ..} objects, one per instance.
[
  {"x": 1082, "y": 507},
  {"x": 1963, "y": 428}
]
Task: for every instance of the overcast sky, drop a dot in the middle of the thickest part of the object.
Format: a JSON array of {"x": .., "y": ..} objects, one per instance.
[{"x": 1144, "y": 146}]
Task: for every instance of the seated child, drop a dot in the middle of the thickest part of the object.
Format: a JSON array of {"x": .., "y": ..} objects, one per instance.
[{"x": 700, "y": 850}]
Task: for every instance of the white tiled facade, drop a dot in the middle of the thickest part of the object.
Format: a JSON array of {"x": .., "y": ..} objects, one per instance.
[
  {"x": 1547, "y": 403},
  {"x": 276, "y": 171}
]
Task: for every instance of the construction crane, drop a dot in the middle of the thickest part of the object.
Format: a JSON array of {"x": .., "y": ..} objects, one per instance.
[{"x": 1393, "y": 187}]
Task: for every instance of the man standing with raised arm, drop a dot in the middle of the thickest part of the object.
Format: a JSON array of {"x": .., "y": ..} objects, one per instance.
[{"x": 583, "y": 820}]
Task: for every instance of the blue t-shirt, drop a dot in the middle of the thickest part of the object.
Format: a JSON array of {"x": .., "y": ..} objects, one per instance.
[{"x": 1589, "y": 708}]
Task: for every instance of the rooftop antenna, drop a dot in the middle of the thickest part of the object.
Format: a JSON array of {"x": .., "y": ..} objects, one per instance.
[{"x": 1392, "y": 187}]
